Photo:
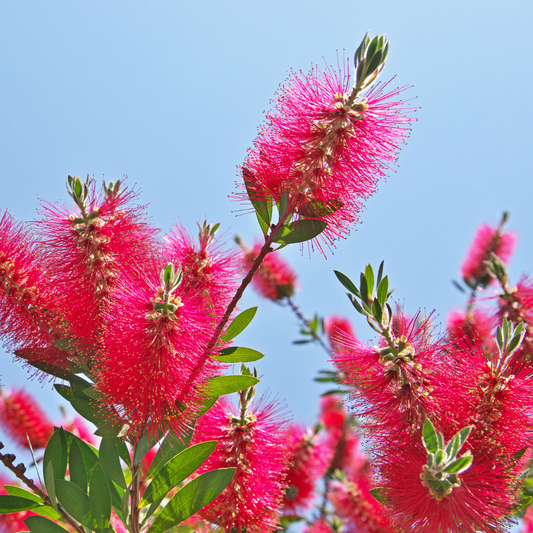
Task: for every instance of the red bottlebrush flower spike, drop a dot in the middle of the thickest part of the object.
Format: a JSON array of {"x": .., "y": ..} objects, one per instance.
[
  {"x": 207, "y": 266},
  {"x": 527, "y": 526},
  {"x": 254, "y": 443},
  {"x": 155, "y": 361},
  {"x": 21, "y": 417},
  {"x": 29, "y": 314},
  {"x": 474, "y": 324},
  {"x": 487, "y": 241},
  {"x": 318, "y": 526},
  {"x": 274, "y": 279},
  {"x": 516, "y": 304},
  {"x": 335, "y": 325},
  {"x": 326, "y": 148},
  {"x": 362, "y": 513},
  {"x": 391, "y": 386},
  {"x": 88, "y": 250},
  {"x": 309, "y": 460}
]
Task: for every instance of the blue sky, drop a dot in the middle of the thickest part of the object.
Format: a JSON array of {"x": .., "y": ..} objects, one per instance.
[{"x": 171, "y": 94}]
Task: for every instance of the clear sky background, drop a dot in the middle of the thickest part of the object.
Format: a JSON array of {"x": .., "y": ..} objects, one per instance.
[{"x": 171, "y": 94}]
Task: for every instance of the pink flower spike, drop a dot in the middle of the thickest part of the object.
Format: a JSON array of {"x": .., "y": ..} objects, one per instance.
[
  {"x": 335, "y": 325},
  {"x": 326, "y": 148},
  {"x": 487, "y": 240},
  {"x": 318, "y": 526},
  {"x": 309, "y": 460},
  {"x": 256, "y": 446},
  {"x": 21, "y": 417},
  {"x": 473, "y": 324},
  {"x": 275, "y": 279}
]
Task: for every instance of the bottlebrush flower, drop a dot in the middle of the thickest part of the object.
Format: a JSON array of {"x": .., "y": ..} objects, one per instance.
[
  {"x": 89, "y": 249},
  {"x": 326, "y": 148},
  {"x": 20, "y": 416},
  {"x": 392, "y": 385},
  {"x": 29, "y": 312},
  {"x": 516, "y": 304},
  {"x": 487, "y": 240},
  {"x": 474, "y": 324},
  {"x": 527, "y": 525},
  {"x": 308, "y": 460},
  {"x": 274, "y": 279},
  {"x": 207, "y": 266},
  {"x": 362, "y": 513},
  {"x": 318, "y": 526},
  {"x": 155, "y": 362},
  {"x": 336, "y": 324},
  {"x": 254, "y": 444}
]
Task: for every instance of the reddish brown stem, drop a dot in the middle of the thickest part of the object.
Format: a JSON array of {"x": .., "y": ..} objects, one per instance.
[{"x": 19, "y": 470}]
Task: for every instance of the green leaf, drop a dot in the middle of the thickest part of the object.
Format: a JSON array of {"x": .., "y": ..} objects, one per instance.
[
  {"x": 463, "y": 435},
  {"x": 320, "y": 209},
  {"x": 38, "y": 524},
  {"x": 378, "y": 494},
  {"x": 369, "y": 275},
  {"x": 262, "y": 206},
  {"x": 348, "y": 283},
  {"x": 364, "y": 289},
  {"x": 176, "y": 470},
  {"x": 238, "y": 354},
  {"x": 56, "y": 453},
  {"x": 378, "y": 311},
  {"x": 74, "y": 501},
  {"x": 239, "y": 324},
  {"x": 110, "y": 461},
  {"x": 283, "y": 204},
  {"x": 227, "y": 384},
  {"x": 357, "y": 305},
  {"x": 300, "y": 231},
  {"x": 99, "y": 498},
  {"x": 78, "y": 473},
  {"x": 383, "y": 289},
  {"x": 380, "y": 273},
  {"x": 429, "y": 437},
  {"x": 170, "y": 447},
  {"x": 459, "y": 465},
  {"x": 50, "y": 483},
  {"x": 91, "y": 412},
  {"x": 17, "y": 491},
  {"x": 194, "y": 496},
  {"x": 14, "y": 504},
  {"x": 518, "y": 455}
]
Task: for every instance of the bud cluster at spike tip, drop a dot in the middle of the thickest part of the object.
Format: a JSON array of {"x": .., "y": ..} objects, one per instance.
[
  {"x": 275, "y": 279},
  {"x": 325, "y": 146},
  {"x": 254, "y": 444}
]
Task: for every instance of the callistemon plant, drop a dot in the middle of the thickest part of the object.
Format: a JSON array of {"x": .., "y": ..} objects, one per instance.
[{"x": 136, "y": 330}]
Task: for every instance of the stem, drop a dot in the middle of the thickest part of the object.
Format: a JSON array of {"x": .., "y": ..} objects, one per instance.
[
  {"x": 135, "y": 491},
  {"x": 305, "y": 322},
  {"x": 19, "y": 471}
]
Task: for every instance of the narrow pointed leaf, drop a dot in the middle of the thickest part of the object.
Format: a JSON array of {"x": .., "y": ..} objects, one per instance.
[
  {"x": 459, "y": 465},
  {"x": 380, "y": 273},
  {"x": 14, "y": 504},
  {"x": 99, "y": 498},
  {"x": 239, "y": 324},
  {"x": 348, "y": 283},
  {"x": 78, "y": 472},
  {"x": 110, "y": 461},
  {"x": 21, "y": 493},
  {"x": 383, "y": 289},
  {"x": 176, "y": 470},
  {"x": 192, "y": 497},
  {"x": 227, "y": 384},
  {"x": 74, "y": 501},
  {"x": 429, "y": 437},
  {"x": 50, "y": 483},
  {"x": 170, "y": 447},
  {"x": 369, "y": 275},
  {"x": 238, "y": 354},
  {"x": 300, "y": 231},
  {"x": 56, "y": 453},
  {"x": 363, "y": 287},
  {"x": 38, "y": 524}
]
